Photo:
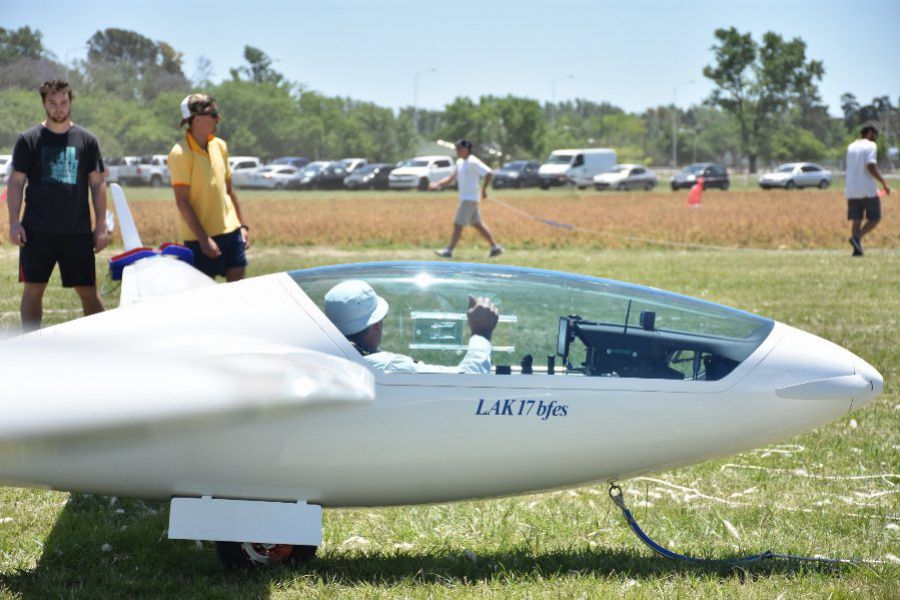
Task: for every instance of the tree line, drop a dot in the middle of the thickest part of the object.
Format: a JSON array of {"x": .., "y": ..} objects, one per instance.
[{"x": 765, "y": 106}]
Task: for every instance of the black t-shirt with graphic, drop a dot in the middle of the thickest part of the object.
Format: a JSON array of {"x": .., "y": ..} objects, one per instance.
[{"x": 57, "y": 166}]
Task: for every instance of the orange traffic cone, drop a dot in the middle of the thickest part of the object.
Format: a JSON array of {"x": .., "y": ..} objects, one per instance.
[
  {"x": 3, "y": 195},
  {"x": 695, "y": 197}
]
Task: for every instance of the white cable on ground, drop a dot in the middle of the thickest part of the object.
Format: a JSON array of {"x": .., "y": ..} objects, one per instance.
[
  {"x": 630, "y": 238},
  {"x": 738, "y": 504},
  {"x": 803, "y": 473}
]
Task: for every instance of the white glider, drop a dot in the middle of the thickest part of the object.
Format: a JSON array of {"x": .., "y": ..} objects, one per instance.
[{"x": 243, "y": 405}]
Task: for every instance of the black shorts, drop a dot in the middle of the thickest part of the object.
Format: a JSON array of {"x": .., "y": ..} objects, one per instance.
[
  {"x": 73, "y": 252},
  {"x": 232, "y": 247},
  {"x": 860, "y": 208}
]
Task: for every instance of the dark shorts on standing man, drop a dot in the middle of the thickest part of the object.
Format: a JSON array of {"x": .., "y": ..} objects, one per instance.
[
  {"x": 42, "y": 251},
  {"x": 232, "y": 247},
  {"x": 863, "y": 208}
]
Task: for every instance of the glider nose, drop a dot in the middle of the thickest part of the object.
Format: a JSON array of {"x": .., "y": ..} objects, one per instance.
[
  {"x": 821, "y": 370},
  {"x": 875, "y": 383}
]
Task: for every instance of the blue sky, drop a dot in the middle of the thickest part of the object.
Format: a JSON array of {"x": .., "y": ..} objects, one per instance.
[{"x": 630, "y": 53}]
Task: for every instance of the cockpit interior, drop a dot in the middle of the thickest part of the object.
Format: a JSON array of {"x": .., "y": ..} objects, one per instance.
[{"x": 551, "y": 323}]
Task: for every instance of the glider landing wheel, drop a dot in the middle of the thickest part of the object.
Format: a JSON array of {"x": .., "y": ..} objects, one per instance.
[{"x": 243, "y": 555}]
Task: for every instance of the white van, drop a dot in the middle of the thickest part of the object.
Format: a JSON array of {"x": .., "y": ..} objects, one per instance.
[{"x": 577, "y": 166}]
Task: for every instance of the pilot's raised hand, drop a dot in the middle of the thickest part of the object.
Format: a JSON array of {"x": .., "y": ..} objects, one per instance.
[{"x": 483, "y": 316}]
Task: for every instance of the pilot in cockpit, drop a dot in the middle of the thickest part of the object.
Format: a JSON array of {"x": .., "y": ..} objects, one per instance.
[{"x": 358, "y": 312}]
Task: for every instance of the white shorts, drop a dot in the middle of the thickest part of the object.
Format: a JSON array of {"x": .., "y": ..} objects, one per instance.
[{"x": 467, "y": 214}]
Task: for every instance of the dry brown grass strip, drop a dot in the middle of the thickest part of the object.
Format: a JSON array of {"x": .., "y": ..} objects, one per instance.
[{"x": 748, "y": 218}]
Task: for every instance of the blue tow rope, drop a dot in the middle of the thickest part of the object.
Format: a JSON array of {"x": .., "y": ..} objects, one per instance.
[{"x": 618, "y": 498}]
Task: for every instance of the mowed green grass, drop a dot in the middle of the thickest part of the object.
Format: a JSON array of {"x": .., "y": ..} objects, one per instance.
[{"x": 831, "y": 492}]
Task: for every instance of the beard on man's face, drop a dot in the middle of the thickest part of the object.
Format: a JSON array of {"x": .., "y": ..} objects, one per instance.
[{"x": 55, "y": 116}]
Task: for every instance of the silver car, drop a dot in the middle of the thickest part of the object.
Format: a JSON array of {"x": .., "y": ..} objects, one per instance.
[
  {"x": 796, "y": 175},
  {"x": 274, "y": 177},
  {"x": 626, "y": 177}
]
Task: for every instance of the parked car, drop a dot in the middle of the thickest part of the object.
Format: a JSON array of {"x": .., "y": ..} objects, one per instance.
[
  {"x": 154, "y": 170},
  {"x": 125, "y": 170},
  {"x": 418, "y": 172},
  {"x": 140, "y": 170},
  {"x": 796, "y": 175},
  {"x": 517, "y": 174},
  {"x": 308, "y": 174},
  {"x": 114, "y": 166},
  {"x": 576, "y": 166},
  {"x": 5, "y": 167},
  {"x": 322, "y": 175},
  {"x": 626, "y": 177},
  {"x": 294, "y": 161},
  {"x": 242, "y": 168},
  {"x": 714, "y": 176},
  {"x": 352, "y": 164},
  {"x": 369, "y": 177},
  {"x": 274, "y": 177}
]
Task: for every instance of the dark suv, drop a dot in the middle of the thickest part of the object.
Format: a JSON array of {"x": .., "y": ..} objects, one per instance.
[
  {"x": 517, "y": 174},
  {"x": 369, "y": 177},
  {"x": 714, "y": 176}
]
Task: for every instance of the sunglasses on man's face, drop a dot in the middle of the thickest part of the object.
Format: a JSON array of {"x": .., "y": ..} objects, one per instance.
[{"x": 213, "y": 113}]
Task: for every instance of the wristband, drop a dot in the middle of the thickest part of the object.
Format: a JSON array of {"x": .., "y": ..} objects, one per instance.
[{"x": 245, "y": 227}]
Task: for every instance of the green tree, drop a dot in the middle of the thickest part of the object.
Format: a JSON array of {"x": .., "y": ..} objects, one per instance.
[
  {"x": 24, "y": 62},
  {"x": 790, "y": 142},
  {"x": 258, "y": 68},
  {"x": 716, "y": 135},
  {"x": 757, "y": 82},
  {"x": 523, "y": 127},
  {"x": 258, "y": 119},
  {"x": 502, "y": 128},
  {"x": 29, "y": 73},
  {"x": 19, "y": 110},
  {"x": 129, "y": 65},
  {"x": 23, "y": 42},
  {"x": 462, "y": 120}
]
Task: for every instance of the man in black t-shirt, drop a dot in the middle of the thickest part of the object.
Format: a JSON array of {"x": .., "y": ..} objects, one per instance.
[{"x": 59, "y": 160}]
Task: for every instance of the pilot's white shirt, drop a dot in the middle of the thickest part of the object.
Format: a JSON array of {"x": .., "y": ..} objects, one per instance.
[{"x": 476, "y": 361}]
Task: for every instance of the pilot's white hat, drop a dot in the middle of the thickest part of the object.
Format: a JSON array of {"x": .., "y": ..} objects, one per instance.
[{"x": 353, "y": 305}]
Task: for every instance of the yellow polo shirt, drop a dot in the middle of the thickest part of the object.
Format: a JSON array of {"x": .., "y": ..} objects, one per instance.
[{"x": 205, "y": 172}]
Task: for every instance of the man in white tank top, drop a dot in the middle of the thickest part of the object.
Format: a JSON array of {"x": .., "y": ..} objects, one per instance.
[
  {"x": 860, "y": 189},
  {"x": 469, "y": 169}
]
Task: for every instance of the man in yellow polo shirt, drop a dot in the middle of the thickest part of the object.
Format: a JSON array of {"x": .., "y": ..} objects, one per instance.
[{"x": 211, "y": 222}]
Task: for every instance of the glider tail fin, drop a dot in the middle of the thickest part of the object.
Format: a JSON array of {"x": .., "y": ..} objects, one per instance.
[
  {"x": 130, "y": 236},
  {"x": 147, "y": 273}
]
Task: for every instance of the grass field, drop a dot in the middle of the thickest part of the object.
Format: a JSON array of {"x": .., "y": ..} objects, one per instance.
[
  {"x": 392, "y": 220},
  {"x": 831, "y": 492}
]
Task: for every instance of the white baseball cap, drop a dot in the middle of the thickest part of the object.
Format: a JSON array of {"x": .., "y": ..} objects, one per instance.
[
  {"x": 194, "y": 104},
  {"x": 353, "y": 305}
]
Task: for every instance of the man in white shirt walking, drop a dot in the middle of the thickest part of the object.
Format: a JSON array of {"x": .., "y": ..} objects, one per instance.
[
  {"x": 469, "y": 169},
  {"x": 860, "y": 189}
]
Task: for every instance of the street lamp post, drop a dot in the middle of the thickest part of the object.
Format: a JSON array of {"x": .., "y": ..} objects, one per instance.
[
  {"x": 553, "y": 93},
  {"x": 675, "y": 121},
  {"x": 416, "y": 95}
]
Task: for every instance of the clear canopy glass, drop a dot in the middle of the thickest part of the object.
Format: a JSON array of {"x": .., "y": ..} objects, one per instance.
[{"x": 595, "y": 327}]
